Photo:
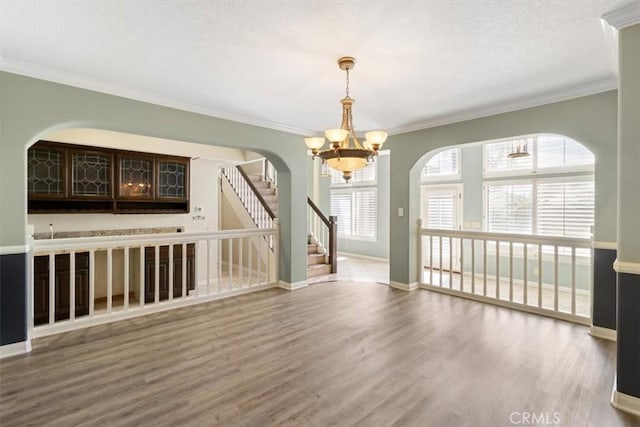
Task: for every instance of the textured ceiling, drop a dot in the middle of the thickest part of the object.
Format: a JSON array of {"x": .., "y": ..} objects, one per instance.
[{"x": 272, "y": 62}]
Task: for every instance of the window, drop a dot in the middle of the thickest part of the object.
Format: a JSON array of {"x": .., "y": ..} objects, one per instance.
[
  {"x": 367, "y": 174},
  {"x": 356, "y": 210},
  {"x": 445, "y": 164},
  {"x": 355, "y": 203},
  {"x": 561, "y": 204},
  {"x": 508, "y": 208},
  {"x": 548, "y": 153},
  {"x": 565, "y": 208}
]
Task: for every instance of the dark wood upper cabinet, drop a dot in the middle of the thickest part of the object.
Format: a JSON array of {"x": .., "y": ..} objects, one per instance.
[{"x": 65, "y": 178}]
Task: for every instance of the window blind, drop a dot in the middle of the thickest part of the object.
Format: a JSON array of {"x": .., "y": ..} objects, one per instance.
[
  {"x": 442, "y": 164},
  {"x": 440, "y": 214},
  {"x": 508, "y": 208},
  {"x": 565, "y": 208},
  {"x": 558, "y": 151},
  {"x": 356, "y": 210}
]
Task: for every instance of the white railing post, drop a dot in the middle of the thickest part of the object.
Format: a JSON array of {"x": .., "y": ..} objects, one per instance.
[
  {"x": 72, "y": 285},
  {"x": 420, "y": 262}
]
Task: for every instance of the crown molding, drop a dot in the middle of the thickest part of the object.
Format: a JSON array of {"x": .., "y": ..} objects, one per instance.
[
  {"x": 509, "y": 106},
  {"x": 624, "y": 16},
  {"x": 70, "y": 79}
]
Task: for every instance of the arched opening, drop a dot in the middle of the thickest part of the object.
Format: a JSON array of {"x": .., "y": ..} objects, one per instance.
[
  {"x": 514, "y": 229},
  {"x": 123, "y": 224}
]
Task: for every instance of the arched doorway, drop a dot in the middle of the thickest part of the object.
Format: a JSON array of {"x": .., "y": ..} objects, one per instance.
[{"x": 511, "y": 229}]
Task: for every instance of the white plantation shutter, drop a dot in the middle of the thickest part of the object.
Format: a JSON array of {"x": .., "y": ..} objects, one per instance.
[
  {"x": 558, "y": 151},
  {"x": 440, "y": 212},
  {"x": 565, "y": 208},
  {"x": 508, "y": 208},
  {"x": 444, "y": 163},
  {"x": 356, "y": 210},
  {"x": 341, "y": 207},
  {"x": 364, "y": 213}
]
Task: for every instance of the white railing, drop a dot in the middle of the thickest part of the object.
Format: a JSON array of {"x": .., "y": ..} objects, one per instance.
[
  {"x": 250, "y": 200},
  {"x": 545, "y": 275},
  {"x": 270, "y": 173},
  {"x": 104, "y": 279}
]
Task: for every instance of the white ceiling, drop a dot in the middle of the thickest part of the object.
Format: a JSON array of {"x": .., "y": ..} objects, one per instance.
[{"x": 273, "y": 62}]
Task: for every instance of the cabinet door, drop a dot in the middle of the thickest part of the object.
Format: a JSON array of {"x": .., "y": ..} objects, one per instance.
[
  {"x": 173, "y": 179},
  {"x": 150, "y": 274},
  {"x": 135, "y": 177},
  {"x": 40, "y": 290},
  {"x": 46, "y": 172},
  {"x": 91, "y": 174},
  {"x": 177, "y": 269},
  {"x": 62, "y": 283}
]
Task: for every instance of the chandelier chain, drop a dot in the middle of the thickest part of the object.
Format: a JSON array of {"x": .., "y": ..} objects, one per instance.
[{"x": 347, "y": 70}]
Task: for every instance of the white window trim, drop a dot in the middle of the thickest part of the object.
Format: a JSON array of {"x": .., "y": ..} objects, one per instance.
[{"x": 442, "y": 178}]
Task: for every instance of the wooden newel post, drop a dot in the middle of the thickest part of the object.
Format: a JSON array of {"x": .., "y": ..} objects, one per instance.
[{"x": 333, "y": 243}]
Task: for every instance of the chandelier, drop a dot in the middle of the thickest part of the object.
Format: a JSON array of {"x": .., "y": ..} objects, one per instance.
[
  {"x": 519, "y": 149},
  {"x": 345, "y": 153}
]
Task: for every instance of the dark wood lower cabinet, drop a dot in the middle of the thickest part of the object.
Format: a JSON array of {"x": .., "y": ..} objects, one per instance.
[
  {"x": 150, "y": 272},
  {"x": 62, "y": 287}
]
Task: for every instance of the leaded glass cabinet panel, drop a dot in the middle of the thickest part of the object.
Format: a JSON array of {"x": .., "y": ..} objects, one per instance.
[
  {"x": 173, "y": 179},
  {"x": 91, "y": 174},
  {"x": 46, "y": 172},
  {"x": 135, "y": 177}
]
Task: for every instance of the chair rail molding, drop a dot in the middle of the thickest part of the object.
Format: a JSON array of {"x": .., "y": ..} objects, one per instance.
[{"x": 626, "y": 267}]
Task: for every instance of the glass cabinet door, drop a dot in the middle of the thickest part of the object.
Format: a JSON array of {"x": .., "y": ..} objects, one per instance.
[
  {"x": 91, "y": 174},
  {"x": 45, "y": 171},
  {"x": 173, "y": 179},
  {"x": 135, "y": 177}
]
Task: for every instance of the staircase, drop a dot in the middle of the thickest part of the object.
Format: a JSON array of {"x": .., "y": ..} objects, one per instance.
[
  {"x": 267, "y": 190},
  {"x": 317, "y": 261},
  {"x": 322, "y": 246}
]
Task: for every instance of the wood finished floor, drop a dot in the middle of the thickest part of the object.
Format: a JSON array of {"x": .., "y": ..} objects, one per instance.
[{"x": 335, "y": 353}]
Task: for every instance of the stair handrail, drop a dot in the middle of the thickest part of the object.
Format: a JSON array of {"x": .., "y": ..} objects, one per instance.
[
  {"x": 332, "y": 224},
  {"x": 264, "y": 203}
]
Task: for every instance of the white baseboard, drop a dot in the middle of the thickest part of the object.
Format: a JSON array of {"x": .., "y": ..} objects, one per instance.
[
  {"x": 293, "y": 286},
  {"x": 367, "y": 257},
  {"x": 624, "y": 402},
  {"x": 15, "y": 349},
  {"x": 404, "y": 286},
  {"x": 604, "y": 333}
]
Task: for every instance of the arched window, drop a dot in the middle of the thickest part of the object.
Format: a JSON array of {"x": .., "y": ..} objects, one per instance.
[{"x": 550, "y": 192}]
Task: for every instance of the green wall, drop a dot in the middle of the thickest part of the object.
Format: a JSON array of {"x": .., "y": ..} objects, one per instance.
[
  {"x": 30, "y": 108},
  {"x": 591, "y": 120},
  {"x": 380, "y": 247}
]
